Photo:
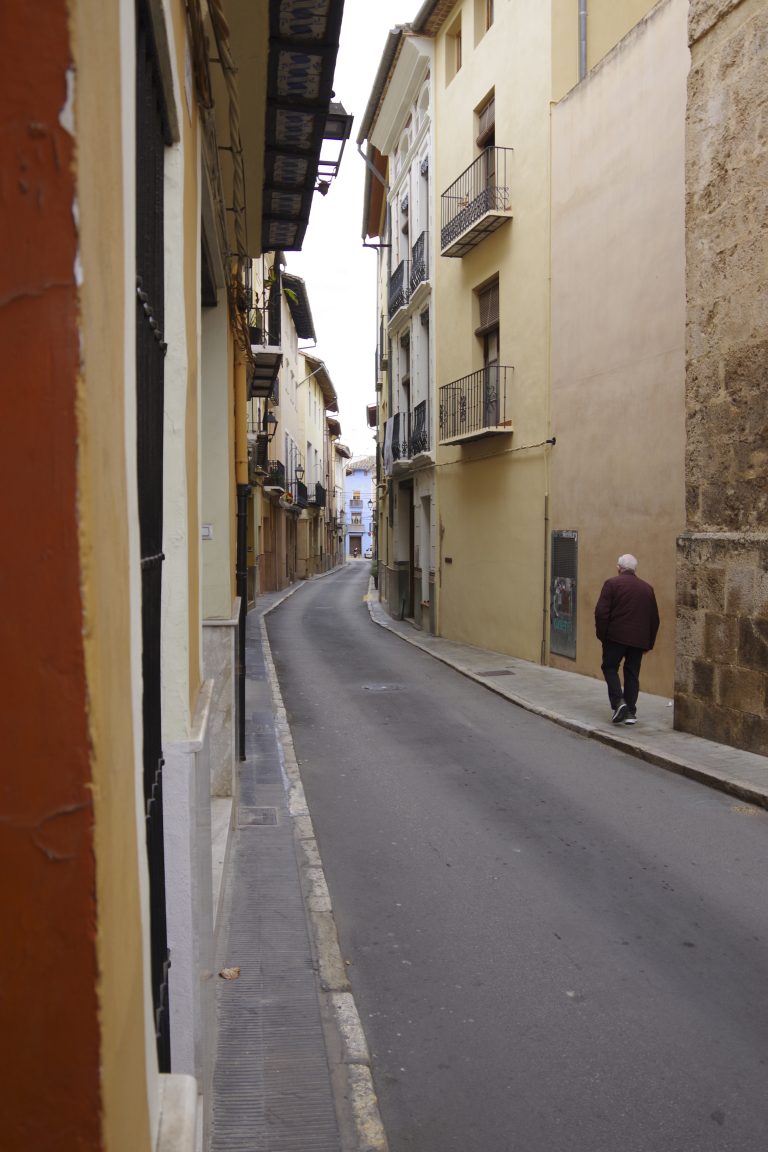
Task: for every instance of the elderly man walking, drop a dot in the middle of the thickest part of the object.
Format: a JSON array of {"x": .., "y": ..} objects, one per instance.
[{"x": 626, "y": 622}]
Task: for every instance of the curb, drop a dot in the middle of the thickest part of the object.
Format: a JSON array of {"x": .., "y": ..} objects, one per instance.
[
  {"x": 736, "y": 788},
  {"x": 357, "y": 1108}
]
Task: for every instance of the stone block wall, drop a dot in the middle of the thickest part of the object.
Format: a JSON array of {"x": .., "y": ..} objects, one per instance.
[
  {"x": 722, "y": 588},
  {"x": 722, "y": 638}
]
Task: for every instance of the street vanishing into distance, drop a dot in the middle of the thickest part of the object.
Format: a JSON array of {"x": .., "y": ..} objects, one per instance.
[{"x": 553, "y": 947}]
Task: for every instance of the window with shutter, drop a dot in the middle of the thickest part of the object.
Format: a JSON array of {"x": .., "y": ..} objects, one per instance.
[
  {"x": 486, "y": 124},
  {"x": 488, "y": 302}
]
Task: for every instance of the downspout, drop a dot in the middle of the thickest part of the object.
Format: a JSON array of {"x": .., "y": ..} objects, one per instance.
[
  {"x": 582, "y": 39},
  {"x": 371, "y": 167},
  {"x": 241, "y": 561}
]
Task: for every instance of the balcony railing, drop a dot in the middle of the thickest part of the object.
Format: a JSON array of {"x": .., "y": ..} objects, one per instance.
[
  {"x": 318, "y": 498},
  {"x": 398, "y": 288},
  {"x": 410, "y": 433},
  {"x": 419, "y": 429},
  {"x": 266, "y": 346},
  {"x": 276, "y": 474},
  {"x": 419, "y": 262},
  {"x": 476, "y": 204},
  {"x": 476, "y": 405},
  {"x": 397, "y": 443},
  {"x": 300, "y": 494}
]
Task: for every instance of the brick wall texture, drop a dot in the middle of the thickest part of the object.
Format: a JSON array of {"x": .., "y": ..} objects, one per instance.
[{"x": 722, "y": 594}]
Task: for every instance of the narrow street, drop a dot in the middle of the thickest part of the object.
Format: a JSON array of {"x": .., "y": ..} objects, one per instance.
[{"x": 553, "y": 947}]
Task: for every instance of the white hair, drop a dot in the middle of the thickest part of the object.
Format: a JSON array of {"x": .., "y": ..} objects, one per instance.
[{"x": 627, "y": 562}]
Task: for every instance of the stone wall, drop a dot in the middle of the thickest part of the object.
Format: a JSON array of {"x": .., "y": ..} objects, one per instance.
[{"x": 722, "y": 587}]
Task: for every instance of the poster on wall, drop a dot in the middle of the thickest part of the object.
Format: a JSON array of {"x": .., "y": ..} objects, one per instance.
[{"x": 562, "y": 614}]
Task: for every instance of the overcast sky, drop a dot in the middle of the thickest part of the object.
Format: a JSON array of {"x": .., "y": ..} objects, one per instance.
[{"x": 340, "y": 274}]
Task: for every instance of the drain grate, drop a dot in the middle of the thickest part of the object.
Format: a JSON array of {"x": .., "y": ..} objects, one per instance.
[
  {"x": 257, "y": 818},
  {"x": 497, "y": 672}
]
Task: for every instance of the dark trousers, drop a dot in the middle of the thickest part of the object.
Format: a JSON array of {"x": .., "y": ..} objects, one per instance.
[{"x": 613, "y": 654}]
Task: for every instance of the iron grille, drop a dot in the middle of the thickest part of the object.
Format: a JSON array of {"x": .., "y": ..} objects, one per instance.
[
  {"x": 319, "y": 498},
  {"x": 276, "y": 474},
  {"x": 398, "y": 287},
  {"x": 419, "y": 262},
  {"x": 420, "y": 429},
  {"x": 481, "y": 188},
  {"x": 475, "y": 404},
  {"x": 150, "y": 352}
]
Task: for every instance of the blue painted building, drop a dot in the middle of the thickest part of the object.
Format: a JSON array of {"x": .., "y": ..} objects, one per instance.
[{"x": 359, "y": 501}]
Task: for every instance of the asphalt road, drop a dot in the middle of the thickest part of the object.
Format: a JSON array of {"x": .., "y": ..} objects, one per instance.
[{"x": 553, "y": 947}]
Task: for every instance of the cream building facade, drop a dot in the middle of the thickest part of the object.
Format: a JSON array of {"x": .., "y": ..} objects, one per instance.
[
  {"x": 399, "y": 211},
  {"x": 618, "y": 336},
  {"x": 556, "y": 180}
]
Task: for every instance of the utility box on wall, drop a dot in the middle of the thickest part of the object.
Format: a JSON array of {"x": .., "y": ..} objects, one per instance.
[{"x": 562, "y": 596}]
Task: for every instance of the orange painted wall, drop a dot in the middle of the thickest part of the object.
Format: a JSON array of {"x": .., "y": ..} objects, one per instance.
[{"x": 48, "y": 970}]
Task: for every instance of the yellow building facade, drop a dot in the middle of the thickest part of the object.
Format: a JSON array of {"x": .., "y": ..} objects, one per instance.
[
  {"x": 556, "y": 311},
  {"x": 124, "y": 339}
]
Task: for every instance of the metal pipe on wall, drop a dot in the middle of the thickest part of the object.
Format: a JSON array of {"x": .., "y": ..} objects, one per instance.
[
  {"x": 241, "y": 556},
  {"x": 582, "y": 39}
]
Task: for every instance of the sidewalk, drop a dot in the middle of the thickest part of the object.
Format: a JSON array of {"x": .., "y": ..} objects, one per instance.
[
  {"x": 581, "y": 704},
  {"x": 292, "y": 1069}
]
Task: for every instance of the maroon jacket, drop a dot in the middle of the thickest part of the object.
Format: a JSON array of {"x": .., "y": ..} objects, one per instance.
[{"x": 626, "y": 612}]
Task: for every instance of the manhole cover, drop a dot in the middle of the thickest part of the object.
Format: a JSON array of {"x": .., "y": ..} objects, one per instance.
[
  {"x": 497, "y": 672},
  {"x": 257, "y": 817},
  {"x": 382, "y": 687}
]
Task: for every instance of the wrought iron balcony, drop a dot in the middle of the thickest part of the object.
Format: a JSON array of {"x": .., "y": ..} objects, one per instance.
[
  {"x": 419, "y": 441},
  {"x": 318, "y": 498},
  {"x": 476, "y": 405},
  {"x": 276, "y": 475},
  {"x": 419, "y": 262},
  {"x": 266, "y": 346},
  {"x": 398, "y": 288},
  {"x": 300, "y": 494},
  {"x": 397, "y": 443},
  {"x": 257, "y": 457},
  {"x": 476, "y": 204}
]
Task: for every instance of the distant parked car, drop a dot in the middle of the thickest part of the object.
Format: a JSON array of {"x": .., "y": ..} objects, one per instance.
[{"x": 368, "y": 554}]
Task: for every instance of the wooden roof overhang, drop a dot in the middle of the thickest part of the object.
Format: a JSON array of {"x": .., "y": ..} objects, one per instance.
[{"x": 303, "y": 45}]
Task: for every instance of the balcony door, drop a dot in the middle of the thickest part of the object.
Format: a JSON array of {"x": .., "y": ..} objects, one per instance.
[
  {"x": 486, "y": 141},
  {"x": 488, "y": 332}
]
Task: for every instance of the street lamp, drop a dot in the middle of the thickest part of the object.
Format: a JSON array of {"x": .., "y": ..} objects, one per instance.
[
  {"x": 299, "y": 471},
  {"x": 269, "y": 425},
  {"x": 338, "y": 126}
]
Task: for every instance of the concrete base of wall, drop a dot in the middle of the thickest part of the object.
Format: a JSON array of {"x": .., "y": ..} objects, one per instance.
[
  {"x": 178, "y": 1128},
  {"x": 721, "y": 683},
  {"x": 219, "y": 666},
  {"x": 189, "y": 898}
]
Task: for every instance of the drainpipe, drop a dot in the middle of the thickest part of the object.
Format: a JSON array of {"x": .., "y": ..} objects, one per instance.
[
  {"x": 241, "y": 561},
  {"x": 582, "y": 39}
]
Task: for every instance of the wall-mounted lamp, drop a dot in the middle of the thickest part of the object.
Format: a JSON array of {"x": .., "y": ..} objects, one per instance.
[
  {"x": 269, "y": 425},
  {"x": 338, "y": 127}
]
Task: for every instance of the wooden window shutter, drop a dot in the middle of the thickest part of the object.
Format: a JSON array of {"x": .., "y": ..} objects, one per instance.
[
  {"x": 486, "y": 122},
  {"x": 488, "y": 299}
]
